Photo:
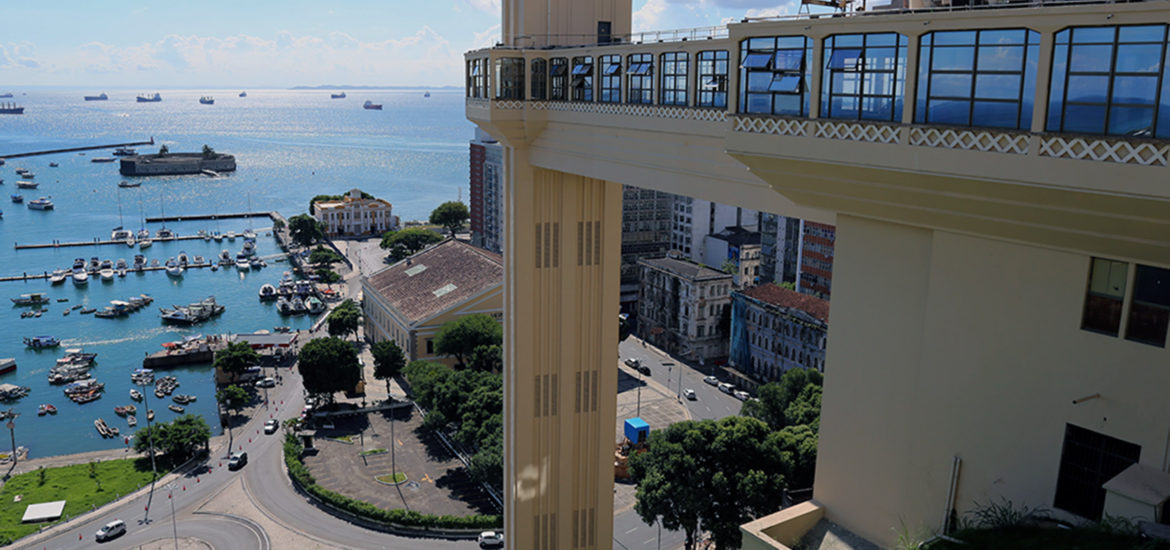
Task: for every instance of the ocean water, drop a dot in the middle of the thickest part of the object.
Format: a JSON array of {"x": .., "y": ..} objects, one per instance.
[{"x": 289, "y": 146}]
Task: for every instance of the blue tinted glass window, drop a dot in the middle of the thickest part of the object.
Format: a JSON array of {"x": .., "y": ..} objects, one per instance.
[
  {"x": 674, "y": 78},
  {"x": 863, "y": 76},
  {"x": 789, "y": 84},
  {"x": 968, "y": 76},
  {"x": 1108, "y": 81},
  {"x": 757, "y": 61},
  {"x": 789, "y": 60},
  {"x": 772, "y": 68},
  {"x": 711, "y": 74},
  {"x": 759, "y": 82}
]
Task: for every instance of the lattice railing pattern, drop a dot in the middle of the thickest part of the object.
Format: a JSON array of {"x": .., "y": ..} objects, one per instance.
[
  {"x": 508, "y": 104},
  {"x": 478, "y": 102},
  {"x": 772, "y": 126},
  {"x": 652, "y": 111},
  {"x": 1105, "y": 150},
  {"x": 986, "y": 140},
  {"x": 857, "y": 131}
]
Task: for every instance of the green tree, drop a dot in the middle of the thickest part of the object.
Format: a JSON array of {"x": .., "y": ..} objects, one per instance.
[
  {"x": 177, "y": 439},
  {"x": 208, "y": 152},
  {"x": 305, "y": 230},
  {"x": 728, "y": 267},
  {"x": 714, "y": 475},
  {"x": 277, "y": 224},
  {"x": 328, "y": 365},
  {"x": 327, "y": 276},
  {"x": 408, "y": 241},
  {"x": 236, "y": 358},
  {"x": 461, "y": 336},
  {"x": 388, "y": 361},
  {"x": 774, "y": 398},
  {"x": 450, "y": 215},
  {"x": 344, "y": 319},
  {"x": 234, "y": 399},
  {"x": 487, "y": 358},
  {"x": 322, "y": 256},
  {"x": 320, "y": 198},
  {"x": 788, "y": 284}
]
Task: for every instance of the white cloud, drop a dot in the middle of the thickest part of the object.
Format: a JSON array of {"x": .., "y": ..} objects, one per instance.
[
  {"x": 649, "y": 16},
  {"x": 489, "y": 6},
  {"x": 786, "y": 8},
  {"x": 487, "y": 38},
  {"x": 18, "y": 56}
]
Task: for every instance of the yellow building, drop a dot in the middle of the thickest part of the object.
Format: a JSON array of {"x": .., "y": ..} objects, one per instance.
[
  {"x": 998, "y": 179},
  {"x": 409, "y": 302},
  {"x": 354, "y": 215}
]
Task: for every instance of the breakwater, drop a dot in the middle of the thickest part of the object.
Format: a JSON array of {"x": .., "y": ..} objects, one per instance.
[{"x": 76, "y": 149}]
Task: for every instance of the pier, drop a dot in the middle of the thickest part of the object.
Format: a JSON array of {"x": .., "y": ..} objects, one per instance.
[
  {"x": 129, "y": 270},
  {"x": 164, "y": 219},
  {"x": 96, "y": 242},
  {"x": 75, "y": 149}
]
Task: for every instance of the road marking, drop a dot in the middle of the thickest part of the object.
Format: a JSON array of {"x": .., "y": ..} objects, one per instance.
[
  {"x": 648, "y": 541},
  {"x": 631, "y": 530},
  {"x": 427, "y": 478}
]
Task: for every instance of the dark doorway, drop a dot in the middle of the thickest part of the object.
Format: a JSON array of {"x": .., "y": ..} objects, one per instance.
[{"x": 1088, "y": 460}]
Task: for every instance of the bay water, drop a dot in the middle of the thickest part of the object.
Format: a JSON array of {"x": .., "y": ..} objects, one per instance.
[{"x": 290, "y": 145}]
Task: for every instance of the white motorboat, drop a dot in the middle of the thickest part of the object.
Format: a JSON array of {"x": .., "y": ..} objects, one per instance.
[
  {"x": 315, "y": 305},
  {"x": 163, "y": 234},
  {"x": 120, "y": 234},
  {"x": 131, "y": 242},
  {"x": 143, "y": 233},
  {"x": 268, "y": 292},
  {"x": 42, "y": 203},
  {"x": 80, "y": 278},
  {"x": 231, "y": 235},
  {"x": 58, "y": 276},
  {"x": 107, "y": 274},
  {"x": 144, "y": 244},
  {"x": 242, "y": 263},
  {"x": 183, "y": 259},
  {"x": 175, "y": 271},
  {"x": 225, "y": 258}
]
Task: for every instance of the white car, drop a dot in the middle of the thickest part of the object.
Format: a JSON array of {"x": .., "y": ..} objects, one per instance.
[
  {"x": 727, "y": 388},
  {"x": 711, "y": 380},
  {"x": 689, "y": 394},
  {"x": 270, "y": 426},
  {"x": 491, "y": 539},
  {"x": 742, "y": 395},
  {"x": 267, "y": 382},
  {"x": 111, "y": 530}
]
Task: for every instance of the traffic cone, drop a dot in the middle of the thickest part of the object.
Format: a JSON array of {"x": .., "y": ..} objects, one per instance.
[
  {"x": 79, "y": 536},
  {"x": 197, "y": 479},
  {"x": 184, "y": 487}
]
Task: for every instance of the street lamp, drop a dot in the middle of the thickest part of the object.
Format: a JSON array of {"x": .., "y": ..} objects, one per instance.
[
  {"x": 174, "y": 527},
  {"x": 11, "y": 433},
  {"x": 150, "y": 441}
]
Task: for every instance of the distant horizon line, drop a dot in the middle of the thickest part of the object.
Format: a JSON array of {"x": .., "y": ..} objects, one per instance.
[{"x": 98, "y": 89}]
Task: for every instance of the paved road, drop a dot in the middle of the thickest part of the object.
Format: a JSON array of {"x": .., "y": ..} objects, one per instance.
[{"x": 266, "y": 486}]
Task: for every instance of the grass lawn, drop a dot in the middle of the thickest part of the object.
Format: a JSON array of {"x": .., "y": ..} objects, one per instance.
[
  {"x": 1029, "y": 538},
  {"x": 372, "y": 452},
  {"x": 72, "y": 484},
  {"x": 345, "y": 439},
  {"x": 397, "y": 477}
]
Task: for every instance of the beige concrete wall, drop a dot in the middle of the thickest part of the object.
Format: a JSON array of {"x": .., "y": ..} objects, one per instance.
[
  {"x": 537, "y": 23},
  {"x": 948, "y": 345}
]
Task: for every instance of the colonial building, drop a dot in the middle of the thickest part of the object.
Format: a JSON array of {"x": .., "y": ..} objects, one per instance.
[
  {"x": 738, "y": 246},
  {"x": 682, "y": 308},
  {"x": 645, "y": 234},
  {"x": 409, "y": 302},
  {"x": 354, "y": 215},
  {"x": 773, "y": 330}
]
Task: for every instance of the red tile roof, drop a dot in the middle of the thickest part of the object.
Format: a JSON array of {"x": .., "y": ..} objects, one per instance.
[
  {"x": 780, "y": 296},
  {"x": 438, "y": 278}
]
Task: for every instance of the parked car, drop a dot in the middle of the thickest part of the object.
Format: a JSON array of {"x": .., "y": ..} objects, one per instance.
[
  {"x": 266, "y": 382},
  {"x": 690, "y": 394},
  {"x": 741, "y": 395},
  {"x": 491, "y": 539},
  {"x": 643, "y": 369},
  {"x": 110, "y": 530},
  {"x": 238, "y": 460},
  {"x": 271, "y": 426},
  {"x": 711, "y": 380},
  {"x": 632, "y": 362},
  {"x": 726, "y": 388}
]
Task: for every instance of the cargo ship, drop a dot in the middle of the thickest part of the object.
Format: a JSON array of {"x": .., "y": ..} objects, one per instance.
[
  {"x": 154, "y": 98},
  {"x": 11, "y": 109},
  {"x": 100, "y": 97}
]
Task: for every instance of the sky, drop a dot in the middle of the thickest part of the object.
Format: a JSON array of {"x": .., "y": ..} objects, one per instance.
[{"x": 243, "y": 44}]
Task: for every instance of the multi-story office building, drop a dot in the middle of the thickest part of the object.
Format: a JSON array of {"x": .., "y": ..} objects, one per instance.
[
  {"x": 816, "y": 259},
  {"x": 354, "y": 215},
  {"x": 487, "y": 192},
  {"x": 997, "y": 182},
  {"x": 409, "y": 301},
  {"x": 737, "y": 248},
  {"x": 773, "y": 330},
  {"x": 694, "y": 219},
  {"x": 646, "y": 217},
  {"x": 683, "y": 308}
]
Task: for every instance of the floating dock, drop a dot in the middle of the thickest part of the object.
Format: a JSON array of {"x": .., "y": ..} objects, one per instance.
[
  {"x": 75, "y": 149},
  {"x": 165, "y": 219},
  {"x": 166, "y": 359}
]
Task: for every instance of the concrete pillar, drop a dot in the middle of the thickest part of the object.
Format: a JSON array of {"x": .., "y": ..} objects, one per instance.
[{"x": 561, "y": 298}]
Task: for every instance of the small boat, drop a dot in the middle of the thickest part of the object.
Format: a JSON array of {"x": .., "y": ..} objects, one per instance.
[
  {"x": 144, "y": 243},
  {"x": 143, "y": 233},
  {"x": 182, "y": 398},
  {"x": 217, "y": 236},
  {"x": 41, "y": 410},
  {"x": 370, "y": 105},
  {"x": 125, "y": 183},
  {"x": 160, "y": 394},
  {"x": 154, "y": 98},
  {"x": 42, "y": 342},
  {"x": 23, "y": 184},
  {"x": 256, "y": 263},
  {"x": 107, "y": 274},
  {"x": 198, "y": 260},
  {"x": 268, "y": 292},
  {"x": 242, "y": 262},
  {"x": 135, "y": 394},
  {"x": 42, "y": 203},
  {"x": 120, "y": 234},
  {"x": 120, "y": 411},
  {"x": 124, "y": 152},
  {"x": 53, "y": 165},
  {"x": 102, "y": 159},
  {"x": 130, "y": 242},
  {"x": 131, "y": 409},
  {"x": 17, "y": 198},
  {"x": 337, "y": 96},
  {"x": 88, "y": 310},
  {"x": 164, "y": 234},
  {"x": 121, "y": 272},
  {"x": 28, "y": 174},
  {"x": 7, "y": 365},
  {"x": 34, "y": 299},
  {"x": 207, "y": 100},
  {"x": 175, "y": 271},
  {"x": 298, "y": 306},
  {"x": 427, "y": 93},
  {"x": 120, "y": 264},
  {"x": 176, "y": 408},
  {"x": 231, "y": 235},
  {"x": 183, "y": 259},
  {"x": 100, "y": 97},
  {"x": 243, "y": 94},
  {"x": 80, "y": 277},
  {"x": 315, "y": 305},
  {"x": 131, "y": 421},
  {"x": 283, "y": 306},
  {"x": 101, "y": 427},
  {"x": 150, "y": 415}
]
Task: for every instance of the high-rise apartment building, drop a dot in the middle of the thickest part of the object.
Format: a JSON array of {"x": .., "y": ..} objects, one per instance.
[
  {"x": 487, "y": 192},
  {"x": 694, "y": 219},
  {"x": 816, "y": 259},
  {"x": 646, "y": 217},
  {"x": 996, "y": 178}
]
